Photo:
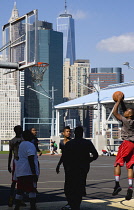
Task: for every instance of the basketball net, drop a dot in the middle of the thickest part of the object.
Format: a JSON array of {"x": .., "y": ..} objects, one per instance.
[{"x": 38, "y": 70}]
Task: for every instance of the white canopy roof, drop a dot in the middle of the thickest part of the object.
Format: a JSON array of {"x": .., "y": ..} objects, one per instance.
[{"x": 105, "y": 96}]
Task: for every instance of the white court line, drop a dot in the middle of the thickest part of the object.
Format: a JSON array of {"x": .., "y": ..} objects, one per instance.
[
  {"x": 99, "y": 180},
  {"x": 90, "y": 180},
  {"x": 49, "y": 181},
  {"x": 37, "y": 188}
]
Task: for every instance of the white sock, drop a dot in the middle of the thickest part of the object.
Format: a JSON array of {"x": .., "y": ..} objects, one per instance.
[
  {"x": 117, "y": 178},
  {"x": 130, "y": 182}
]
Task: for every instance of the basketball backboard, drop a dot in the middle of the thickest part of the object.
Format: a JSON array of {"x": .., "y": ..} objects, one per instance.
[
  {"x": 71, "y": 123},
  {"x": 20, "y": 40}
]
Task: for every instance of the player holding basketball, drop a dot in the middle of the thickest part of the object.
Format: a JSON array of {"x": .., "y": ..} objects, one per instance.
[{"x": 126, "y": 149}]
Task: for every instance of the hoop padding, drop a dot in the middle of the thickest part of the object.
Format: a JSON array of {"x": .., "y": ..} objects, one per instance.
[{"x": 38, "y": 70}]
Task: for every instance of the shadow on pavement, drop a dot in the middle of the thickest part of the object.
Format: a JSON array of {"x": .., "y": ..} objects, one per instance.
[{"x": 49, "y": 196}]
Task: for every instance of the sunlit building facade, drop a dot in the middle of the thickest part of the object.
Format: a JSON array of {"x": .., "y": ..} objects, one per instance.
[
  {"x": 73, "y": 75},
  {"x": 75, "y": 80},
  {"x": 9, "y": 105}
]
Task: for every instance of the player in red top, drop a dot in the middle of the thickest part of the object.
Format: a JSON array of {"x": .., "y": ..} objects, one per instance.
[{"x": 126, "y": 149}]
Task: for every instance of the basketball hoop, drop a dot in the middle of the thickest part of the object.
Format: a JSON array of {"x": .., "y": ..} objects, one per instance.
[{"x": 38, "y": 70}]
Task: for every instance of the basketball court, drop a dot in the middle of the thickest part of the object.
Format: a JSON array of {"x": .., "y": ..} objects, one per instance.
[
  {"x": 100, "y": 183},
  {"x": 19, "y": 53}
]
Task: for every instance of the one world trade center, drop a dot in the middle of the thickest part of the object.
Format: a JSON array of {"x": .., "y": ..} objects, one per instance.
[{"x": 65, "y": 24}]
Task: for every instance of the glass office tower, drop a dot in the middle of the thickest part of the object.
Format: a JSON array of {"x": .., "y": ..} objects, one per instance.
[
  {"x": 50, "y": 50},
  {"x": 65, "y": 24}
]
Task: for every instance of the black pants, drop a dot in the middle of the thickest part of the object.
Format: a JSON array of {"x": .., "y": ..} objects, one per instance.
[{"x": 75, "y": 181}]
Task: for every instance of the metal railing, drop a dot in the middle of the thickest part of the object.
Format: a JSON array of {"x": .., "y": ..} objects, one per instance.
[{"x": 44, "y": 144}]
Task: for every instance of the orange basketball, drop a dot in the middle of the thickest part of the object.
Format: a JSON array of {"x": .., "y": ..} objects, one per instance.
[{"x": 116, "y": 94}]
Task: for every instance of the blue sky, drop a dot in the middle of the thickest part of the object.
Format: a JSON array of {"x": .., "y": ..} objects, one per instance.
[{"x": 104, "y": 29}]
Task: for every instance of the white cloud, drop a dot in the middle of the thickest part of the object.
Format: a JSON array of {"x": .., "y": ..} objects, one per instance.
[
  {"x": 79, "y": 14},
  {"x": 117, "y": 44}
]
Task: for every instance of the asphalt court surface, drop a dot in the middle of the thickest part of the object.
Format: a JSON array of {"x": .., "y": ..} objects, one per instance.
[{"x": 100, "y": 183}]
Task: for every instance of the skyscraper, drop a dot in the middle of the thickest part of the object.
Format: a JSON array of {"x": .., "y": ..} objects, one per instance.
[
  {"x": 50, "y": 50},
  {"x": 15, "y": 13},
  {"x": 108, "y": 75},
  {"x": 11, "y": 33},
  {"x": 65, "y": 24},
  {"x": 16, "y": 54},
  {"x": 76, "y": 86},
  {"x": 79, "y": 72},
  {"x": 10, "y": 105}
]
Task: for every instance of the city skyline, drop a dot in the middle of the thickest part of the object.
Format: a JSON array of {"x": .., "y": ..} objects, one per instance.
[{"x": 103, "y": 29}]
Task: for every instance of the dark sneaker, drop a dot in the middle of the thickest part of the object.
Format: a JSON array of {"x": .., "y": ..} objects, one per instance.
[
  {"x": 17, "y": 207},
  {"x": 67, "y": 206},
  {"x": 23, "y": 203},
  {"x": 84, "y": 193},
  {"x": 116, "y": 190},
  {"x": 37, "y": 191},
  {"x": 129, "y": 194},
  {"x": 10, "y": 201},
  {"x": 17, "y": 204},
  {"x": 33, "y": 208}
]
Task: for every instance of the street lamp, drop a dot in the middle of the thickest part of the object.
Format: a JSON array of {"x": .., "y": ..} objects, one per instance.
[
  {"x": 70, "y": 78},
  {"x": 127, "y": 64},
  {"x": 52, "y": 100},
  {"x": 97, "y": 88}
]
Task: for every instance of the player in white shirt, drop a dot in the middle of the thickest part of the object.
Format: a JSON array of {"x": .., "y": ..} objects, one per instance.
[
  {"x": 12, "y": 158},
  {"x": 27, "y": 171}
]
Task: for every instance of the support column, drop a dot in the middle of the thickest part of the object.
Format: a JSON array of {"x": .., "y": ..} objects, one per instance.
[
  {"x": 100, "y": 141},
  {"x": 57, "y": 123},
  {"x": 57, "y": 130},
  {"x": 52, "y": 125},
  {"x": 104, "y": 126},
  {"x": 24, "y": 124}
]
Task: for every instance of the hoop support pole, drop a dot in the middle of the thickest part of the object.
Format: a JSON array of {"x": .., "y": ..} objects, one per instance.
[{"x": 9, "y": 65}]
